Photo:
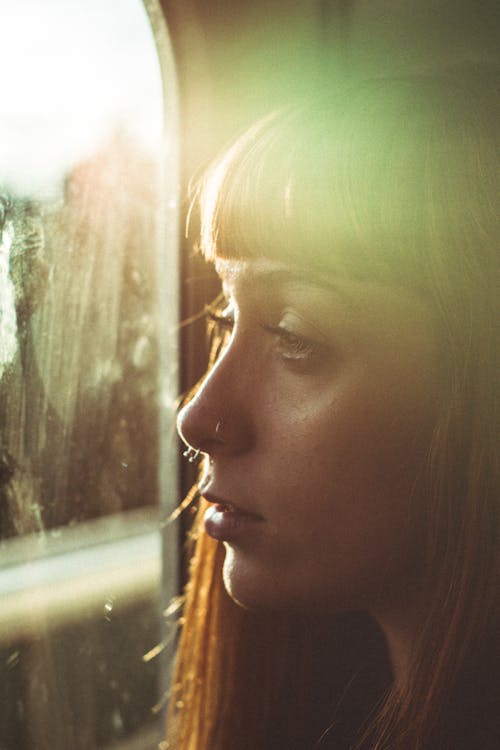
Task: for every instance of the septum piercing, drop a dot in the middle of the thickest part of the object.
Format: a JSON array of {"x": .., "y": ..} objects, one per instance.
[{"x": 191, "y": 454}]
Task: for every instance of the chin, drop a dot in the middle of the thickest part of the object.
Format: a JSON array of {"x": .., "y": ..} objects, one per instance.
[
  {"x": 255, "y": 588},
  {"x": 241, "y": 590},
  {"x": 248, "y": 587}
]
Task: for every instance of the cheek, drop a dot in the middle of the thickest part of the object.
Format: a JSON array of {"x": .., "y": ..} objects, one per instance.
[
  {"x": 369, "y": 462},
  {"x": 347, "y": 511},
  {"x": 368, "y": 435},
  {"x": 339, "y": 467}
]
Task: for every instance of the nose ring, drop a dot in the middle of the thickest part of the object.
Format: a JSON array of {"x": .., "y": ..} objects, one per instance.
[{"x": 191, "y": 454}]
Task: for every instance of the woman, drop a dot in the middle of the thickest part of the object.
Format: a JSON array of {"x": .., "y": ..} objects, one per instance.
[{"x": 344, "y": 586}]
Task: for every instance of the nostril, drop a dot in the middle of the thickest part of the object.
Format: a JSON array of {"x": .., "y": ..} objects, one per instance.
[
  {"x": 193, "y": 431},
  {"x": 192, "y": 454},
  {"x": 198, "y": 428},
  {"x": 215, "y": 421}
]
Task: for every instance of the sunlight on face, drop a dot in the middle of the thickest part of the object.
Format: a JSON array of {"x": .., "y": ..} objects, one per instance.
[
  {"x": 326, "y": 391},
  {"x": 213, "y": 185}
]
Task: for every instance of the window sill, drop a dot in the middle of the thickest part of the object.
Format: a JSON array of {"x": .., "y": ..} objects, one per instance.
[{"x": 97, "y": 569}]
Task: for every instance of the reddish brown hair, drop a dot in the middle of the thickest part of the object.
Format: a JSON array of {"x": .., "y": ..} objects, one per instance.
[{"x": 394, "y": 180}]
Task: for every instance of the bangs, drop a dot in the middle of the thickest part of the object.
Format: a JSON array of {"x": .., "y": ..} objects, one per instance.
[{"x": 376, "y": 184}]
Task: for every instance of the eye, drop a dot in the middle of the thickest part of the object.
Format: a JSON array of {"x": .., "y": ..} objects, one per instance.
[
  {"x": 290, "y": 345},
  {"x": 294, "y": 347},
  {"x": 221, "y": 321},
  {"x": 298, "y": 342}
]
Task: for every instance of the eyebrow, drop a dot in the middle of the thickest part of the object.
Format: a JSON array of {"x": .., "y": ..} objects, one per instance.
[{"x": 270, "y": 277}]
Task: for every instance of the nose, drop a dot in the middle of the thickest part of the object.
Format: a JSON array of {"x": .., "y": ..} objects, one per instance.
[{"x": 217, "y": 419}]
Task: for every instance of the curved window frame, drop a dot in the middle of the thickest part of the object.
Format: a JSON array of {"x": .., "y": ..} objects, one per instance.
[{"x": 107, "y": 568}]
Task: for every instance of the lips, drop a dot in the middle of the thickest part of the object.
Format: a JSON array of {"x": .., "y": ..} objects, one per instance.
[
  {"x": 227, "y": 522},
  {"x": 225, "y": 506}
]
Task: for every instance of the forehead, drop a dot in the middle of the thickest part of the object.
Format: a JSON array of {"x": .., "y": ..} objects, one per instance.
[
  {"x": 268, "y": 281},
  {"x": 267, "y": 272}
]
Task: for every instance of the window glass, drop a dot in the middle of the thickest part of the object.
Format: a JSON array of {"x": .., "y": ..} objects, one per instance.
[{"x": 88, "y": 301}]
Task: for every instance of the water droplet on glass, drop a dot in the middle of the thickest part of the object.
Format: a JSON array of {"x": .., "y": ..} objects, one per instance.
[
  {"x": 108, "y": 608},
  {"x": 142, "y": 353},
  {"x": 117, "y": 721},
  {"x": 13, "y": 659}
]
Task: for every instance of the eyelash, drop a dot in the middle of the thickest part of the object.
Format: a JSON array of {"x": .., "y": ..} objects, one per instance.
[
  {"x": 220, "y": 323},
  {"x": 291, "y": 346}
]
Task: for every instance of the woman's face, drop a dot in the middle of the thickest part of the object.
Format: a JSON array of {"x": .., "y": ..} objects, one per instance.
[{"x": 315, "y": 422}]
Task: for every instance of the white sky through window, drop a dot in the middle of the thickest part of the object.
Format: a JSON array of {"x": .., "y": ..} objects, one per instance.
[{"x": 72, "y": 72}]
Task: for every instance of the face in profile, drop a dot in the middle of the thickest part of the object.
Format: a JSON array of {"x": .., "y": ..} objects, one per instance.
[{"x": 315, "y": 421}]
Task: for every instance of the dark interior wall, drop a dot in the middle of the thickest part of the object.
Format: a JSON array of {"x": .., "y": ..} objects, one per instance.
[{"x": 237, "y": 59}]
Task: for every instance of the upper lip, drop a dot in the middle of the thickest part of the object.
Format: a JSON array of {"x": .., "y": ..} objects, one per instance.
[{"x": 217, "y": 500}]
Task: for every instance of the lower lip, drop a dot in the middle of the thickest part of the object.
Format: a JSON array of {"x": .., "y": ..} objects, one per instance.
[{"x": 225, "y": 525}]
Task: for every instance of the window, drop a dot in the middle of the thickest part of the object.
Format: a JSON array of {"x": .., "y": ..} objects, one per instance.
[{"x": 88, "y": 321}]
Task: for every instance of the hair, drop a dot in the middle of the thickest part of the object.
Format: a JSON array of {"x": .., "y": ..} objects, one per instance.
[{"x": 389, "y": 180}]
